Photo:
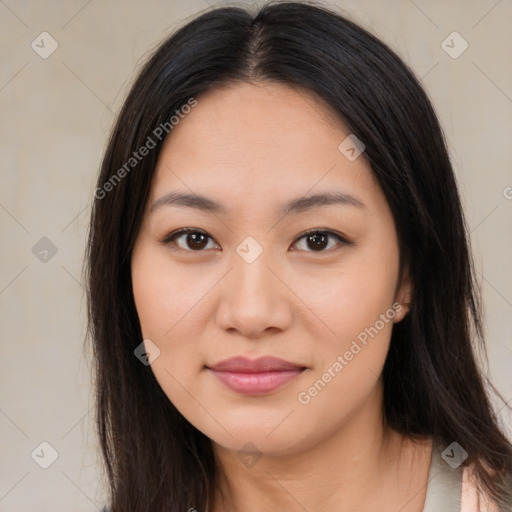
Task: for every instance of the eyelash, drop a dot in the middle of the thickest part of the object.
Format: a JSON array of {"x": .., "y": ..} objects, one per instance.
[{"x": 176, "y": 234}]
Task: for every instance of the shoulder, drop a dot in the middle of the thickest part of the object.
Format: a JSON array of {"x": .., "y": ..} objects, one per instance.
[{"x": 472, "y": 498}]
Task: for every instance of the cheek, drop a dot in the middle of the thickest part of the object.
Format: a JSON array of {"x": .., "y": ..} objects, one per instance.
[
  {"x": 349, "y": 356},
  {"x": 171, "y": 305},
  {"x": 357, "y": 307},
  {"x": 354, "y": 304},
  {"x": 166, "y": 296},
  {"x": 349, "y": 298}
]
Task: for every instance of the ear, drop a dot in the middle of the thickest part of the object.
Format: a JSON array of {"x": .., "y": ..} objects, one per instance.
[{"x": 403, "y": 295}]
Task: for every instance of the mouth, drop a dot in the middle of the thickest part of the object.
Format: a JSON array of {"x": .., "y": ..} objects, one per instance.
[{"x": 256, "y": 376}]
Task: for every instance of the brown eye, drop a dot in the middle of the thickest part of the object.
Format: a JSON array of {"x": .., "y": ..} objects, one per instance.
[
  {"x": 318, "y": 240},
  {"x": 194, "y": 240},
  {"x": 189, "y": 239}
]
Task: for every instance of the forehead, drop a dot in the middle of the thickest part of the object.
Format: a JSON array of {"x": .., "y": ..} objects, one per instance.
[
  {"x": 262, "y": 112},
  {"x": 263, "y": 140}
]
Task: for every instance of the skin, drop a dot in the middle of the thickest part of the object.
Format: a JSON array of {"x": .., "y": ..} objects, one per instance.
[{"x": 253, "y": 147}]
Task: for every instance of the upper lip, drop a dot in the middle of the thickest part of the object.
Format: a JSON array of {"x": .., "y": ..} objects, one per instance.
[{"x": 242, "y": 364}]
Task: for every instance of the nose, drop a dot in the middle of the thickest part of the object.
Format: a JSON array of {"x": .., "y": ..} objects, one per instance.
[{"x": 255, "y": 299}]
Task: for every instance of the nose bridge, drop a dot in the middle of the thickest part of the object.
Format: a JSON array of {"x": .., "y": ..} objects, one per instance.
[
  {"x": 253, "y": 298},
  {"x": 252, "y": 277}
]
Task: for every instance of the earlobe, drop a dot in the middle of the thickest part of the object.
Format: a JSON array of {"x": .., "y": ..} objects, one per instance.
[
  {"x": 404, "y": 297},
  {"x": 401, "y": 311}
]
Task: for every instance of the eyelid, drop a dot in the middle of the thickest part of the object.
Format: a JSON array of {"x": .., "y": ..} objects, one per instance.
[
  {"x": 342, "y": 240},
  {"x": 328, "y": 231},
  {"x": 334, "y": 234},
  {"x": 183, "y": 231}
]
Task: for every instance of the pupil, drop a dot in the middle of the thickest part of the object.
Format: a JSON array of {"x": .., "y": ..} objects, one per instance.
[
  {"x": 195, "y": 237},
  {"x": 198, "y": 240},
  {"x": 318, "y": 238}
]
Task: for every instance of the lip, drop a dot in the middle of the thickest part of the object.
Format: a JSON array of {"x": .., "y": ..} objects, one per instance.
[
  {"x": 255, "y": 376},
  {"x": 242, "y": 364}
]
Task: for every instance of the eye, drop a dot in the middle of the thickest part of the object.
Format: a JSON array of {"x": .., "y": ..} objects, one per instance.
[
  {"x": 319, "y": 239},
  {"x": 195, "y": 240}
]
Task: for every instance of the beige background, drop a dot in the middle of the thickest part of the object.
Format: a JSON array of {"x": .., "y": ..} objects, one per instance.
[{"x": 55, "y": 117}]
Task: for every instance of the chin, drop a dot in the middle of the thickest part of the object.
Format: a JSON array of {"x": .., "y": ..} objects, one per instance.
[{"x": 256, "y": 438}]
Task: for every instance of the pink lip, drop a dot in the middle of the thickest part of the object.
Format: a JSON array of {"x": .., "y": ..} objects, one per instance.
[{"x": 257, "y": 376}]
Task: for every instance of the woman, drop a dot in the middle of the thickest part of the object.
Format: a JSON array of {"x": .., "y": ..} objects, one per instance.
[{"x": 281, "y": 294}]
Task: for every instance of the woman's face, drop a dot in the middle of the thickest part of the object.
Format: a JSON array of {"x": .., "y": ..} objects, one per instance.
[{"x": 248, "y": 282}]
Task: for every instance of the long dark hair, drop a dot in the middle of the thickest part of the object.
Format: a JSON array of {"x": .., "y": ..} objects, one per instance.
[{"x": 154, "y": 458}]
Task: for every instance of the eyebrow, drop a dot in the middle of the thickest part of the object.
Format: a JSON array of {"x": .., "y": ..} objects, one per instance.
[{"x": 299, "y": 205}]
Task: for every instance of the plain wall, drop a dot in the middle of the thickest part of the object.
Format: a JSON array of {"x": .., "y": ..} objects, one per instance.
[{"x": 56, "y": 113}]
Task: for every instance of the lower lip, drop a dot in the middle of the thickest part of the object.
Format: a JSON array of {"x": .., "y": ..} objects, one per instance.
[{"x": 256, "y": 383}]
